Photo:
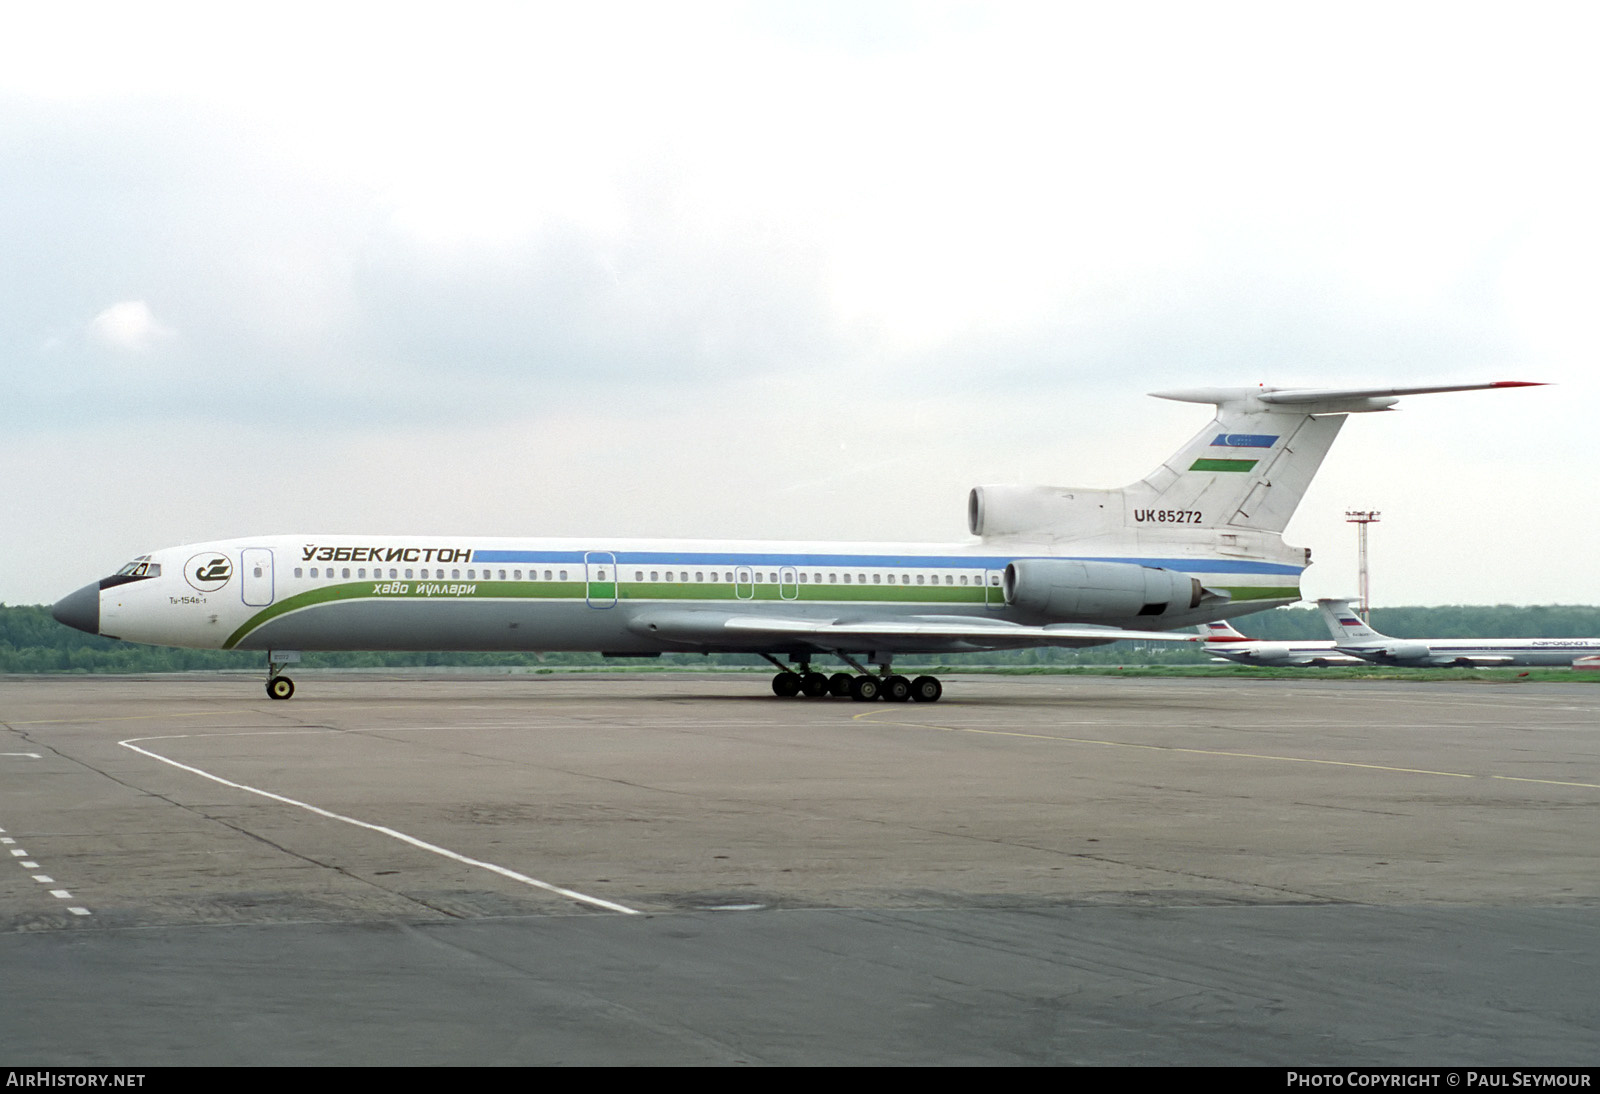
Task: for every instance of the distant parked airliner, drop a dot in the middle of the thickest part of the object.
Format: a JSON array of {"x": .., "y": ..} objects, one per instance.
[{"x": 1356, "y": 638}]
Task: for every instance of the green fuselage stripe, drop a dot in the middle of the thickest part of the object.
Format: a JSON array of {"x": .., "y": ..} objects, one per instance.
[{"x": 605, "y": 593}]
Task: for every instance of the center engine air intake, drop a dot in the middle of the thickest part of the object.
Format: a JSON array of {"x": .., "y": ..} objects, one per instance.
[{"x": 1067, "y": 590}]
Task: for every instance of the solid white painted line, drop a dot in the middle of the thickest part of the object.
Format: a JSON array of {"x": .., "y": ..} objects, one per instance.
[
  {"x": 30, "y": 865},
  {"x": 44, "y": 879},
  {"x": 570, "y": 894},
  {"x": 60, "y": 894},
  {"x": 19, "y": 854},
  {"x": 7, "y": 839},
  {"x": 79, "y": 911}
]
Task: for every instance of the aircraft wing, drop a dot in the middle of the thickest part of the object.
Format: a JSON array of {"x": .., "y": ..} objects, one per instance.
[{"x": 751, "y": 630}]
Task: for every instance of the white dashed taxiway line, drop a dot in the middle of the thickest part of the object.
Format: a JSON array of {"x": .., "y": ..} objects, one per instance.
[{"x": 42, "y": 879}]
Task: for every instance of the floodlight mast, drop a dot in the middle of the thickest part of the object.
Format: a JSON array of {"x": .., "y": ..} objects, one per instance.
[{"x": 1361, "y": 519}]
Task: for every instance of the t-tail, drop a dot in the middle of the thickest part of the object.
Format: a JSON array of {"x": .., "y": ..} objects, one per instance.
[
  {"x": 1220, "y": 630},
  {"x": 1216, "y": 508},
  {"x": 1239, "y": 479},
  {"x": 1348, "y": 628}
]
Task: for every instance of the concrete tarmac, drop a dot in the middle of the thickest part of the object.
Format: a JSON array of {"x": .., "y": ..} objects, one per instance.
[{"x": 675, "y": 869}]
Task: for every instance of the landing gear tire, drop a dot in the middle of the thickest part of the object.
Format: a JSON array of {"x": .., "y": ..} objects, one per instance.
[
  {"x": 839, "y": 684},
  {"x": 813, "y": 685},
  {"x": 896, "y": 689},
  {"x": 786, "y": 685},
  {"x": 926, "y": 689},
  {"x": 864, "y": 689},
  {"x": 280, "y": 687}
]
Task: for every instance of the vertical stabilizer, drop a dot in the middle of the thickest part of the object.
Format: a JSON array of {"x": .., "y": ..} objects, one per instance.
[
  {"x": 1346, "y": 626},
  {"x": 1244, "y": 474},
  {"x": 1251, "y": 466},
  {"x": 1248, "y": 469}
]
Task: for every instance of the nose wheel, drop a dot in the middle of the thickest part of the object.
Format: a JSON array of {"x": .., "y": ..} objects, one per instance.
[{"x": 280, "y": 686}]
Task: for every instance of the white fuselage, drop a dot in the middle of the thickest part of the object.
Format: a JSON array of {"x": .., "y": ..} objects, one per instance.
[
  {"x": 385, "y": 592},
  {"x": 1256, "y": 651},
  {"x": 1482, "y": 652}
]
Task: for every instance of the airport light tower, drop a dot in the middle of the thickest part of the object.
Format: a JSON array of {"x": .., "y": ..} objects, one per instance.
[{"x": 1362, "y": 519}]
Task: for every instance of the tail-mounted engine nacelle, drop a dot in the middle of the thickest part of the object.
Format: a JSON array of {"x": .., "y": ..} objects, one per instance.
[
  {"x": 1407, "y": 651},
  {"x": 1081, "y": 592}
]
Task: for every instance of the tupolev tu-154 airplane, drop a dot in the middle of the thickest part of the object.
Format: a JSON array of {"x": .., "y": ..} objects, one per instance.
[
  {"x": 1352, "y": 636},
  {"x": 1197, "y": 539}
]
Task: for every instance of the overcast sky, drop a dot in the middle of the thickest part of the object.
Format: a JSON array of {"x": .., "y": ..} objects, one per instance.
[{"x": 788, "y": 270}]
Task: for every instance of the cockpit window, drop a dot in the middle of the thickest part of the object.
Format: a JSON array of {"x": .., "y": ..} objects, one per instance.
[{"x": 141, "y": 567}]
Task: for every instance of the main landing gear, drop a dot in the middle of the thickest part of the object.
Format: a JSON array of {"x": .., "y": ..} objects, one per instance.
[{"x": 863, "y": 688}]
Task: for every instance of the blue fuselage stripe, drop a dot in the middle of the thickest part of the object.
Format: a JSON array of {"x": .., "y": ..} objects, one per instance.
[{"x": 952, "y": 562}]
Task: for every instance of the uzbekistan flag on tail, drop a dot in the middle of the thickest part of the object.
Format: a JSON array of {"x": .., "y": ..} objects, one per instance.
[{"x": 1234, "y": 440}]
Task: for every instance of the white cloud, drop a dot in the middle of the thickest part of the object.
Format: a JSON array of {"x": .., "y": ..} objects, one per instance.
[{"x": 130, "y": 326}]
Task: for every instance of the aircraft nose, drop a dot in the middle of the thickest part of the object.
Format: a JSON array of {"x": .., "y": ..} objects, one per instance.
[{"x": 80, "y": 609}]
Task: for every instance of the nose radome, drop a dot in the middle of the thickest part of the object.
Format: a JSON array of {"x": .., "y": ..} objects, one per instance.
[{"x": 80, "y": 609}]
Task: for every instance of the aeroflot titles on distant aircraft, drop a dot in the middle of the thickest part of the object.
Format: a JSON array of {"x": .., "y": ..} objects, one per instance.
[{"x": 1199, "y": 539}]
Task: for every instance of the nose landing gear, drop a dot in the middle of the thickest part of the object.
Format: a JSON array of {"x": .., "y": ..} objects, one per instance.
[{"x": 280, "y": 686}]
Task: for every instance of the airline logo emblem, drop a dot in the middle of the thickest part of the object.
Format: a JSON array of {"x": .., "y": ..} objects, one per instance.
[
  {"x": 1244, "y": 440},
  {"x": 208, "y": 572}
]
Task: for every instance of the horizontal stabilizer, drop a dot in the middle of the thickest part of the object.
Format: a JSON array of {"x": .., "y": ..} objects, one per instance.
[{"x": 1322, "y": 400}]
